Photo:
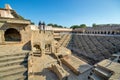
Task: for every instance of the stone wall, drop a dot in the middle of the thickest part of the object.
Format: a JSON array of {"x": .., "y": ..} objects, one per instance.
[
  {"x": 24, "y": 31},
  {"x": 42, "y": 38},
  {"x": 6, "y": 13},
  {"x": 99, "y": 29}
]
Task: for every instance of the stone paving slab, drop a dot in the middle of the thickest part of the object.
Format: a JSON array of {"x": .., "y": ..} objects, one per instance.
[{"x": 76, "y": 64}]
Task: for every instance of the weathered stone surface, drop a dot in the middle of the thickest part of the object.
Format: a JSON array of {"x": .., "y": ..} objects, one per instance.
[
  {"x": 76, "y": 65},
  {"x": 18, "y": 38}
]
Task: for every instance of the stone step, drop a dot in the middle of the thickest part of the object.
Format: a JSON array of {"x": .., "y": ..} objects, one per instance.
[
  {"x": 14, "y": 62},
  {"x": 103, "y": 72},
  {"x": 47, "y": 52},
  {"x": 22, "y": 78},
  {"x": 5, "y": 69},
  {"x": 18, "y": 54},
  {"x": 59, "y": 71},
  {"x": 75, "y": 64},
  {"x": 21, "y": 75},
  {"x": 94, "y": 77},
  {"x": 11, "y": 58},
  {"x": 12, "y": 72},
  {"x": 37, "y": 55}
]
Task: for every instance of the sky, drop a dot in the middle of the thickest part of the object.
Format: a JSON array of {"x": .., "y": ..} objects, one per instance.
[{"x": 67, "y": 12}]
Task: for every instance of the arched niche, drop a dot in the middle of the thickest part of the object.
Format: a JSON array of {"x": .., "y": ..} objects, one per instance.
[
  {"x": 105, "y": 32},
  {"x": 48, "y": 47},
  {"x": 37, "y": 50},
  {"x": 113, "y": 32},
  {"x": 101, "y": 32},
  {"x": 108, "y": 32},
  {"x": 12, "y": 34}
]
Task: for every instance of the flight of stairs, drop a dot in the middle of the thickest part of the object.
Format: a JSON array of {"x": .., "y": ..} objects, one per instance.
[
  {"x": 100, "y": 73},
  {"x": 14, "y": 66},
  {"x": 37, "y": 54}
]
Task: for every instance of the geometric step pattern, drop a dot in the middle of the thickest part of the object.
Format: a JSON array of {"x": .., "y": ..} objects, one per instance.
[{"x": 14, "y": 66}]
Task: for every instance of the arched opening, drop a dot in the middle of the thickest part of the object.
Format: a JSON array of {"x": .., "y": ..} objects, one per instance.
[
  {"x": 95, "y": 32},
  {"x": 48, "y": 48},
  {"x": 108, "y": 32},
  {"x": 105, "y": 32},
  {"x": 12, "y": 34},
  {"x": 101, "y": 32},
  {"x": 37, "y": 50},
  {"x": 113, "y": 32}
]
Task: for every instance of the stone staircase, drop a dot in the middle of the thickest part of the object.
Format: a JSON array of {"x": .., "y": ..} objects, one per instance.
[
  {"x": 100, "y": 73},
  {"x": 37, "y": 54},
  {"x": 59, "y": 71},
  {"x": 13, "y": 66},
  {"x": 65, "y": 40}
]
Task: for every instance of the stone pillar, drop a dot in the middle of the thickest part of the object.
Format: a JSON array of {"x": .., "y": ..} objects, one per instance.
[
  {"x": 2, "y": 39},
  {"x": 0, "y": 36}
]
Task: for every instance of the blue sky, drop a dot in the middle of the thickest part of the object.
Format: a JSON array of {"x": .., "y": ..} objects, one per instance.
[{"x": 67, "y": 12}]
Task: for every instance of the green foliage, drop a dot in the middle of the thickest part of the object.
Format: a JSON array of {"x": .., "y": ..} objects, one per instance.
[
  {"x": 49, "y": 24},
  {"x": 55, "y": 25},
  {"x": 32, "y": 23},
  {"x": 74, "y": 26},
  {"x": 93, "y": 25},
  {"x": 78, "y": 26},
  {"x": 16, "y": 15},
  {"x": 83, "y": 26},
  {"x": 20, "y": 17}
]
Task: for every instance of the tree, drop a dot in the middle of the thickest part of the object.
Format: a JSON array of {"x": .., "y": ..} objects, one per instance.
[
  {"x": 82, "y": 26},
  {"x": 50, "y": 24},
  {"x": 60, "y": 26},
  {"x": 54, "y": 25},
  {"x": 74, "y": 26},
  {"x": 94, "y": 25},
  {"x": 32, "y": 23},
  {"x": 78, "y": 26}
]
